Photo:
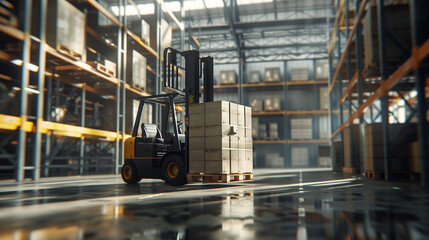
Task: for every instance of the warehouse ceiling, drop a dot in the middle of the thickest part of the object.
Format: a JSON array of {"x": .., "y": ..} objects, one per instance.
[{"x": 253, "y": 30}]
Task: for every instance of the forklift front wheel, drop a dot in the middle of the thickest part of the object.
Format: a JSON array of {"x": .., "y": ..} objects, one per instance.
[
  {"x": 129, "y": 173},
  {"x": 174, "y": 170}
]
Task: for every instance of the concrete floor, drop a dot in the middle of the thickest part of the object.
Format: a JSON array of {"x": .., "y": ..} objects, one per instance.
[{"x": 278, "y": 204}]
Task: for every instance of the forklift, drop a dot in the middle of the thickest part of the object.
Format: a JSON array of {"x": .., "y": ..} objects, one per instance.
[{"x": 164, "y": 154}]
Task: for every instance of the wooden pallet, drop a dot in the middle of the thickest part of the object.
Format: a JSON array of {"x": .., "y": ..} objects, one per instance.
[
  {"x": 350, "y": 170},
  {"x": 69, "y": 52},
  {"x": 374, "y": 174},
  {"x": 406, "y": 176},
  {"x": 103, "y": 69},
  {"x": 219, "y": 178},
  {"x": 7, "y": 17}
]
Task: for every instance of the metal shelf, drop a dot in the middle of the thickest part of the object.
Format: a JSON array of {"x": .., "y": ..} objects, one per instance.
[{"x": 12, "y": 32}]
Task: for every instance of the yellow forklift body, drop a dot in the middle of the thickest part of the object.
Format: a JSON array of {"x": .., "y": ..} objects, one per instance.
[{"x": 129, "y": 148}]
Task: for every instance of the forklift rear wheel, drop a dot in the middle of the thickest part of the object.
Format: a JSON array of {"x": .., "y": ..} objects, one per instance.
[
  {"x": 174, "y": 170},
  {"x": 129, "y": 173}
]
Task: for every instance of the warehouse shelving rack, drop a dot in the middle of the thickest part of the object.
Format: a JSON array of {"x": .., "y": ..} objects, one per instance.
[
  {"x": 388, "y": 87},
  {"x": 41, "y": 128},
  {"x": 283, "y": 87}
]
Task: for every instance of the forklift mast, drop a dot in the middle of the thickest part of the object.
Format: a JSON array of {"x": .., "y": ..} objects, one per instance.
[{"x": 195, "y": 68}]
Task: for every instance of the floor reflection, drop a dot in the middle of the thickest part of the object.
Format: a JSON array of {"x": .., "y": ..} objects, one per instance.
[{"x": 319, "y": 205}]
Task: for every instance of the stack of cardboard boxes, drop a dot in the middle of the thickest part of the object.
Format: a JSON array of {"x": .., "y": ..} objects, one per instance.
[{"x": 220, "y": 138}]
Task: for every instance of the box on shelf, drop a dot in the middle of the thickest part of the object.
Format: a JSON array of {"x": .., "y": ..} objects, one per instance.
[
  {"x": 347, "y": 145},
  {"x": 299, "y": 74},
  {"x": 228, "y": 77},
  {"x": 397, "y": 20},
  {"x": 256, "y": 104},
  {"x": 300, "y": 157},
  {"x": 374, "y": 146},
  {"x": 273, "y": 130},
  {"x": 247, "y": 117},
  {"x": 136, "y": 70},
  {"x": 196, "y": 143},
  {"x": 272, "y": 103},
  {"x": 142, "y": 29},
  {"x": 324, "y": 156},
  {"x": 322, "y": 70},
  {"x": 262, "y": 131},
  {"x": 272, "y": 75},
  {"x": 65, "y": 29},
  {"x": 301, "y": 128},
  {"x": 166, "y": 32},
  {"x": 324, "y": 98},
  {"x": 414, "y": 157},
  {"x": 254, "y": 77},
  {"x": 255, "y": 127},
  {"x": 324, "y": 127},
  {"x": 274, "y": 160}
]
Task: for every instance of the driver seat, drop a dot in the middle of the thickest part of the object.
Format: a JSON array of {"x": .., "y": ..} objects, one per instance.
[{"x": 151, "y": 133}]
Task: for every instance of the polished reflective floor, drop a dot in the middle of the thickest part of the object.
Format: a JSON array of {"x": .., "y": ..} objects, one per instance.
[{"x": 280, "y": 204}]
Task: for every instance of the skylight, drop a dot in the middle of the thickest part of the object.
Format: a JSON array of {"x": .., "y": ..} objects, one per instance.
[{"x": 174, "y": 6}]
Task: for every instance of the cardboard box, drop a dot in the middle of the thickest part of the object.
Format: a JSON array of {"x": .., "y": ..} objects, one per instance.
[
  {"x": 217, "y": 113},
  {"x": 196, "y": 131},
  {"x": 274, "y": 160},
  {"x": 255, "y": 128},
  {"x": 234, "y": 140},
  {"x": 272, "y": 103},
  {"x": 136, "y": 69},
  {"x": 262, "y": 131},
  {"x": 196, "y": 108},
  {"x": 196, "y": 143},
  {"x": 241, "y": 161},
  {"x": 324, "y": 98},
  {"x": 249, "y": 143},
  {"x": 234, "y": 161},
  {"x": 242, "y": 143},
  {"x": 65, "y": 28},
  {"x": 299, "y": 74},
  {"x": 254, "y": 77},
  {"x": 272, "y": 75},
  {"x": 249, "y": 133},
  {"x": 233, "y": 114},
  {"x": 414, "y": 157},
  {"x": 197, "y": 120},
  {"x": 240, "y": 116},
  {"x": 218, "y": 130},
  {"x": 241, "y": 132},
  {"x": 217, "y": 155},
  {"x": 228, "y": 77},
  {"x": 216, "y": 142},
  {"x": 256, "y": 104},
  {"x": 196, "y": 155},
  {"x": 300, "y": 157},
  {"x": 301, "y": 128},
  {"x": 248, "y": 162},
  {"x": 196, "y": 166},
  {"x": 273, "y": 131},
  {"x": 248, "y": 117},
  {"x": 217, "y": 167},
  {"x": 322, "y": 70}
]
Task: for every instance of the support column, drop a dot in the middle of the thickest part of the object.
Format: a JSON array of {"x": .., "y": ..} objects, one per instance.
[
  {"x": 385, "y": 99},
  {"x": 41, "y": 95},
  {"x": 121, "y": 80},
  {"x": 25, "y": 78},
  {"x": 420, "y": 34},
  {"x": 82, "y": 124}
]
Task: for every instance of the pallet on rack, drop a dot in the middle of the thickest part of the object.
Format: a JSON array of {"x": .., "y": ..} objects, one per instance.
[
  {"x": 350, "y": 170},
  {"x": 406, "y": 176},
  {"x": 102, "y": 68},
  {"x": 69, "y": 52},
  {"x": 8, "y": 18},
  {"x": 219, "y": 178},
  {"x": 374, "y": 174}
]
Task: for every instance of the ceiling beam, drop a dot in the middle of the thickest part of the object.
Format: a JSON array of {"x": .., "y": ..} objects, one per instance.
[{"x": 295, "y": 45}]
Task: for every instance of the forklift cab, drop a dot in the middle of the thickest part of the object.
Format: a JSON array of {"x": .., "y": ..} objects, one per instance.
[{"x": 146, "y": 153}]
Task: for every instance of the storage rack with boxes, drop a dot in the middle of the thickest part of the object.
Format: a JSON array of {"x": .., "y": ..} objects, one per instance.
[
  {"x": 381, "y": 80},
  {"x": 288, "y": 115},
  {"x": 76, "y": 61}
]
